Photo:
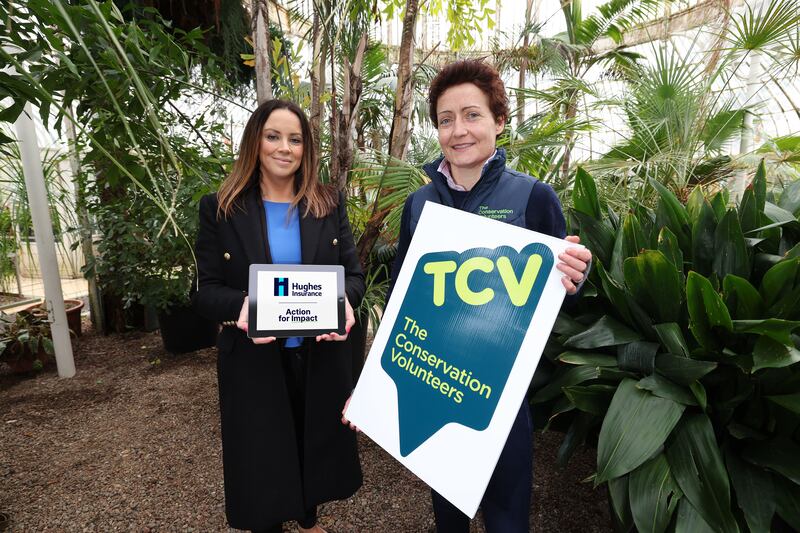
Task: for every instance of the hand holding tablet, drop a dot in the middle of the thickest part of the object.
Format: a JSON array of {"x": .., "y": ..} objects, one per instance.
[{"x": 298, "y": 301}]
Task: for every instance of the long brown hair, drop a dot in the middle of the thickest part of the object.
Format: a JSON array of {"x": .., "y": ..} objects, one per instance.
[{"x": 320, "y": 199}]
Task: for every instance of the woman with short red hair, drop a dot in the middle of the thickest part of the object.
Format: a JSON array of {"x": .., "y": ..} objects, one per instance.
[{"x": 469, "y": 108}]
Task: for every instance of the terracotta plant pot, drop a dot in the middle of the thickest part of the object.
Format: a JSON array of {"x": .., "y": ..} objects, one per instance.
[{"x": 71, "y": 306}]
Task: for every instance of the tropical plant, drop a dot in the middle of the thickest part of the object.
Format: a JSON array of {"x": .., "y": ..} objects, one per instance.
[
  {"x": 60, "y": 198},
  {"x": 25, "y": 341},
  {"x": 685, "y": 354},
  {"x": 134, "y": 83},
  {"x": 681, "y": 114},
  {"x": 8, "y": 247}
]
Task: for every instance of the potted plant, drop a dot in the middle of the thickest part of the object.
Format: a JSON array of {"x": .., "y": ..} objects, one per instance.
[
  {"x": 72, "y": 307},
  {"x": 25, "y": 343}
]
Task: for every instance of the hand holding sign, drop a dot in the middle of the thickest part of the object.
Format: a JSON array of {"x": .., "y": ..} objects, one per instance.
[
  {"x": 574, "y": 262},
  {"x": 242, "y": 323}
]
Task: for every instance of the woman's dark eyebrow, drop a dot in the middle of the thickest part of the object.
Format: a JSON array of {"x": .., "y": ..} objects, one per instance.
[
  {"x": 273, "y": 130},
  {"x": 462, "y": 109}
]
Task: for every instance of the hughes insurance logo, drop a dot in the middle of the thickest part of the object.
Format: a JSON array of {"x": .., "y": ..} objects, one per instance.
[{"x": 281, "y": 286}]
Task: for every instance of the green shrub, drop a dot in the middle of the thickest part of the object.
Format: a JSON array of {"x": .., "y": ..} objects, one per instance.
[
  {"x": 684, "y": 354},
  {"x": 8, "y": 246}
]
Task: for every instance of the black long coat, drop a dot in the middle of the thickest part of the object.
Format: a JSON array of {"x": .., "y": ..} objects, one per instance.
[{"x": 263, "y": 484}]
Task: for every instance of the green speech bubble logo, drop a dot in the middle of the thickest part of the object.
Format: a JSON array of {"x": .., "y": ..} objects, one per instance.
[{"x": 458, "y": 333}]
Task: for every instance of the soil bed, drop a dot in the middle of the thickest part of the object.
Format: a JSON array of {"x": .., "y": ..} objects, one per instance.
[{"x": 132, "y": 444}]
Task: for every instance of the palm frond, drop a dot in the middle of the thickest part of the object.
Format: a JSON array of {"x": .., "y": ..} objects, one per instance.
[{"x": 759, "y": 29}]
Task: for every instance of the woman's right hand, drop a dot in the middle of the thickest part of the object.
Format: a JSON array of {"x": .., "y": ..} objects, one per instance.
[
  {"x": 345, "y": 421},
  {"x": 241, "y": 323}
]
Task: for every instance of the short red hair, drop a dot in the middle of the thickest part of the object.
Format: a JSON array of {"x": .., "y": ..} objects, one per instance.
[{"x": 473, "y": 71}]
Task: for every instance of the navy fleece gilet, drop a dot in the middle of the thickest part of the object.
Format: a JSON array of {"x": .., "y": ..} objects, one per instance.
[{"x": 501, "y": 193}]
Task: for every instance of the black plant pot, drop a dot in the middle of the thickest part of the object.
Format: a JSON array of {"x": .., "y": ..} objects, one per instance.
[{"x": 183, "y": 330}]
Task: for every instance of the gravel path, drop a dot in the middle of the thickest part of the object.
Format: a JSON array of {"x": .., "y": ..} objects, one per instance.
[{"x": 132, "y": 444}]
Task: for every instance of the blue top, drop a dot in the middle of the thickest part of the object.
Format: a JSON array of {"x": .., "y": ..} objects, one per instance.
[{"x": 283, "y": 235}]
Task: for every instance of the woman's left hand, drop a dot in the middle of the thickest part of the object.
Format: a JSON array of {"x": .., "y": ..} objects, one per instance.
[
  {"x": 349, "y": 320},
  {"x": 574, "y": 262}
]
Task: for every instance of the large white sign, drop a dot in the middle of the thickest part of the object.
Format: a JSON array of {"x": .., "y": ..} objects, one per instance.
[{"x": 450, "y": 365}]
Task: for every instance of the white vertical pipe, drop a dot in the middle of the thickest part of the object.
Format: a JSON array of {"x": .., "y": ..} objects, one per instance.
[
  {"x": 746, "y": 140},
  {"x": 45, "y": 243}
]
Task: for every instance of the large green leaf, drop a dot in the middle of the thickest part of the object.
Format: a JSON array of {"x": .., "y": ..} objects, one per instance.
[
  {"x": 592, "y": 399},
  {"x": 655, "y": 284},
  {"x": 780, "y": 454},
  {"x": 697, "y": 466},
  {"x": 741, "y": 298},
  {"x": 635, "y": 427},
  {"x": 778, "y": 215},
  {"x": 780, "y": 289},
  {"x": 751, "y": 208},
  {"x": 790, "y": 199},
  {"x": 759, "y": 185},
  {"x": 596, "y": 235},
  {"x": 664, "y": 388},
  {"x": 633, "y": 237},
  {"x": 774, "y": 328},
  {"x": 653, "y": 495},
  {"x": 605, "y": 332},
  {"x": 703, "y": 232},
  {"x": 755, "y": 492},
  {"x": 575, "y": 436},
  {"x": 672, "y": 214},
  {"x": 689, "y": 520},
  {"x": 618, "y": 256},
  {"x": 730, "y": 248},
  {"x": 749, "y": 217},
  {"x": 620, "y": 504},
  {"x": 572, "y": 376},
  {"x": 682, "y": 369},
  {"x": 695, "y": 203},
  {"x": 614, "y": 292},
  {"x": 787, "y": 500},
  {"x": 719, "y": 203},
  {"x": 707, "y": 313},
  {"x": 584, "y": 195},
  {"x": 668, "y": 245},
  {"x": 671, "y": 336},
  {"x": 789, "y": 401},
  {"x": 637, "y": 356},
  {"x": 588, "y": 358},
  {"x": 769, "y": 353}
]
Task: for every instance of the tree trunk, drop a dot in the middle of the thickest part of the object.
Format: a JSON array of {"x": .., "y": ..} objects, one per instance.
[
  {"x": 95, "y": 304},
  {"x": 401, "y": 122},
  {"x": 523, "y": 64},
  {"x": 351, "y": 100},
  {"x": 261, "y": 45},
  {"x": 570, "y": 113},
  {"x": 335, "y": 120},
  {"x": 317, "y": 83}
]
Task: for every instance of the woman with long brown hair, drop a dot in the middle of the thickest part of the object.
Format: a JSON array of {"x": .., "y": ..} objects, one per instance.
[{"x": 284, "y": 450}]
